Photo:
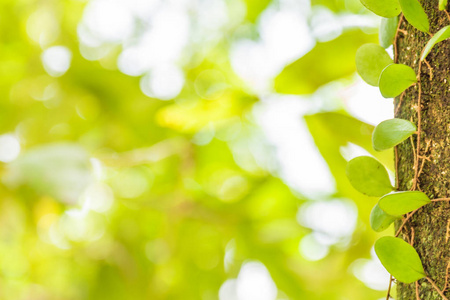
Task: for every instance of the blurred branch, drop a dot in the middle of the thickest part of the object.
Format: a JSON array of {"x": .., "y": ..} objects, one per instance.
[{"x": 155, "y": 153}]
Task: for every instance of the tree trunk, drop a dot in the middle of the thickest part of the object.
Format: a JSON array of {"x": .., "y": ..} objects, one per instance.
[{"x": 429, "y": 224}]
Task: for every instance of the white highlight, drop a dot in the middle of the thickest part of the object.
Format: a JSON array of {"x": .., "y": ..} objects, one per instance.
[
  {"x": 253, "y": 283},
  {"x": 333, "y": 221},
  {"x": 109, "y": 20},
  {"x": 301, "y": 165},
  {"x": 311, "y": 249},
  {"x": 164, "y": 82},
  {"x": 371, "y": 272},
  {"x": 56, "y": 60},
  {"x": 366, "y": 103},
  {"x": 9, "y": 148}
]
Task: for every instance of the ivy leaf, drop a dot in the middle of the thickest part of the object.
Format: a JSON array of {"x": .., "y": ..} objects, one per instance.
[
  {"x": 368, "y": 176},
  {"x": 391, "y": 132},
  {"x": 370, "y": 60},
  {"x": 383, "y": 8},
  {"x": 441, "y": 35},
  {"x": 396, "y": 78},
  {"x": 442, "y": 4},
  {"x": 400, "y": 259},
  {"x": 400, "y": 203},
  {"x": 380, "y": 220},
  {"x": 414, "y": 13},
  {"x": 388, "y": 28}
]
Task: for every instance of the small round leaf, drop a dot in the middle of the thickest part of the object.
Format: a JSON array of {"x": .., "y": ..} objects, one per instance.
[
  {"x": 388, "y": 28},
  {"x": 391, "y": 132},
  {"x": 368, "y": 176},
  {"x": 400, "y": 259},
  {"x": 400, "y": 203},
  {"x": 380, "y": 220},
  {"x": 414, "y": 13},
  {"x": 441, "y": 35},
  {"x": 370, "y": 60},
  {"x": 383, "y": 8},
  {"x": 396, "y": 78}
]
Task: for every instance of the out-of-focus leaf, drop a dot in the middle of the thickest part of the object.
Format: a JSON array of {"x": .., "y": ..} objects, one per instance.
[
  {"x": 391, "y": 132},
  {"x": 353, "y": 6},
  {"x": 380, "y": 220},
  {"x": 59, "y": 170},
  {"x": 414, "y": 13},
  {"x": 383, "y": 8},
  {"x": 178, "y": 116},
  {"x": 368, "y": 176},
  {"x": 396, "y": 78},
  {"x": 321, "y": 66},
  {"x": 400, "y": 203},
  {"x": 370, "y": 60},
  {"x": 400, "y": 259},
  {"x": 442, "y": 4},
  {"x": 334, "y": 131},
  {"x": 388, "y": 28},
  {"x": 438, "y": 37},
  {"x": 255, "y": 8}
]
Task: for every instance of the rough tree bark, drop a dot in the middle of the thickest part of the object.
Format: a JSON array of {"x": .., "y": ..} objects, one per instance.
[{"x": 430, "y": 224}]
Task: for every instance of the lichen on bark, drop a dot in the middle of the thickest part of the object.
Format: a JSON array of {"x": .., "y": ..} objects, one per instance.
[{"x": 432, "y": 240}]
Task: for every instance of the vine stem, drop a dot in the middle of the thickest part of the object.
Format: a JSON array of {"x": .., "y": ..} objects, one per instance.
[
  {"x": 446, "y": 277},
  {"x": 440, "y": 199},
  {"x": 404, "y": 222},
  {"x": 436, "y": 288},
  {"x": 413, "y": 212},
  {"x": 389, "y": 289},
  {"x": 419, "y": 128},
  {"x": 396, "y": 37},
  {"x": 417, "y": 291}
]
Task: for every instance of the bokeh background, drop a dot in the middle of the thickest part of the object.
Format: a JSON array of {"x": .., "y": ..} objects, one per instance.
[{"x": 185, "y": 149}]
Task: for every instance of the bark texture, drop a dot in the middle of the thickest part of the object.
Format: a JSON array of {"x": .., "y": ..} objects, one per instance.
[{"x": 430, "y": 224}]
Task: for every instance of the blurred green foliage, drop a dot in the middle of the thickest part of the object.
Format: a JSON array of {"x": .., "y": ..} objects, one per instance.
[{"x": 118, "y": 195}]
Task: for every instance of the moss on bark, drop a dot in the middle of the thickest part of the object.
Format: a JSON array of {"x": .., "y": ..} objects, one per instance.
[{"x": 430, "y": 223}]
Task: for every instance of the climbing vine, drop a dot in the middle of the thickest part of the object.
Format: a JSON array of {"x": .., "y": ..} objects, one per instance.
[{"x": 369, "y": 176}]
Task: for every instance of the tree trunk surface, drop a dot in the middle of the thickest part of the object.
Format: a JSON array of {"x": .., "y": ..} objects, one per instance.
[{"x": 430, "y": 224}]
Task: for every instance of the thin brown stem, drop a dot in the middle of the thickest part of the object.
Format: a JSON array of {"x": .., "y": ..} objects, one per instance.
[
  {"x": 417, "y": 291},
  {"x": 447, "y": 233},
  {"x": 424, "y": 158},
  {"x": 446, "y": 12},
  {"x": 430, "y": 69},
  {"x": 404, "y": 222},
  {"x": 446, "y": 277},
  {"x": 419, "y": 128},
  {"x": 399, "y": 103},
  {"x": 389, "y": 288},
  {"x": 397, "y": 184},
  {"x": 396, "y": 37},
  {"x": 436, "y": 288}
]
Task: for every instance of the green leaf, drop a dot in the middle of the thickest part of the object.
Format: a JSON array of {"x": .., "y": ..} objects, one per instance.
[
  {"x": 255, "y": 8},
  {"x": 442, "y": 4},
  {"x": 322, "y": 65},
  {"x": 380, "y": 220},
  {"x": 383, "y": 8},
  {"x": 388, "y": 28},
  {"x": 391, "y": 132},
  {"x": 414, "y": 13},
  {"x": 400, "y": 259},
  {"x": 396, "y": 78},
  {"x": 441, "y": 35},
  {"x": 370, "y": 60},
  {"x": 368, "y": 176},
  {"x": 400, "y": 203}
]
